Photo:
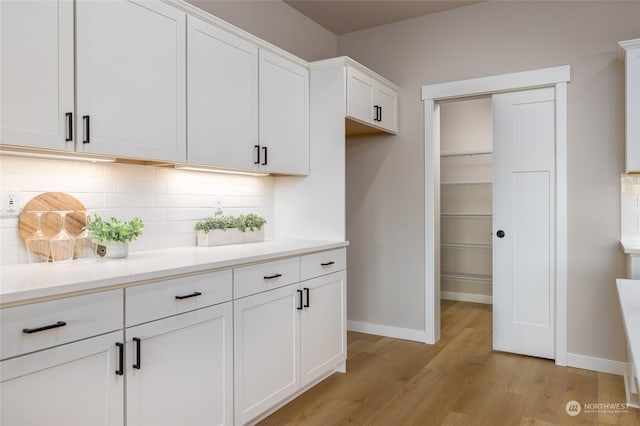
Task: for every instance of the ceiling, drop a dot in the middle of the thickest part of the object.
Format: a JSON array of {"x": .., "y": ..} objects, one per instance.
[{"x": 345, "y": 16}]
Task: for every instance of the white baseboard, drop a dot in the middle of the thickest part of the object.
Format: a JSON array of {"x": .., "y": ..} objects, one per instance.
[
  {"x": 466, "y": 297},
  {"x": 387, "y": 330},
  {"x": 596, "y": 364}
]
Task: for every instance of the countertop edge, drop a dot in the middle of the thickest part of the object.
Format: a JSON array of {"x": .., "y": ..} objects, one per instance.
[{"x": 76, "y": 280}]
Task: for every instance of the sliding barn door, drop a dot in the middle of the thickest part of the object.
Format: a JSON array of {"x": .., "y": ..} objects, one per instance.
[{"x": 523, "y": 222}]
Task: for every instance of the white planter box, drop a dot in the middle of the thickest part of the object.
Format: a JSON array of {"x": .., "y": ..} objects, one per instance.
[{"x": 219, "y": 237}]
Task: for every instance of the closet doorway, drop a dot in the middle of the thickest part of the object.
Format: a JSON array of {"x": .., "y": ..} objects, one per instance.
[{"x": 466, "y": 176}]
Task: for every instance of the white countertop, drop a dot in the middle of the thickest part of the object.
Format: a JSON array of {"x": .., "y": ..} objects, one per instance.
[
  {"x": 629, "y": 294},
  {"x": 25, "y": 283},
  {"x": 630, "y": 246}
]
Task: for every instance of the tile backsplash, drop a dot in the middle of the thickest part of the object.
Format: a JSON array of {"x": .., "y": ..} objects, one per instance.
[{"x": 168, "y": 201}]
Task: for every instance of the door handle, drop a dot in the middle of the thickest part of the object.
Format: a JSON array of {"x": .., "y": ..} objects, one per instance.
[
  {"x": 500, "y": 233},
  {"x": 87, "y": 129},
  {"x": 120, "y": 370},
  {"x": 264, "y": 149},
  {"x": 306, "y": 292},
  {"x": 138, "y": 349},
  {"x": 257, "y": 147},
  {"x": 299, "y": 307},
  {"x": 69, "y": 116}
]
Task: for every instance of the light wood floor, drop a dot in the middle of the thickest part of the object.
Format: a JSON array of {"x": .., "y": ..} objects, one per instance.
[{"x": 459, "y": 381}]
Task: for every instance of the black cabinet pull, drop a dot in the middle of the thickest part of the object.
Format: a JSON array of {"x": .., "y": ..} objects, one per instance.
[
  {"x": 299, "y": 300},
  {"x": 379, "y": 114},
  {"x": 186, "y": 296},
  {"x": 306, "y": 293},
  {"x": 257, "y": 147},
  {"x": 328, "y": 263},
  {"x": 138, "y": 350},
  {"x": 120, "y": 370},
  {"x": 69, "y": 117},
  {"x": 87, "y": 129},
  {"x": 43, "y": 328},
  {"x": 500, "y": 234},
  {"x": 377, "y": 110},
  {"x": 270, "y": 277},
  {"x": 264, "y": 149}
]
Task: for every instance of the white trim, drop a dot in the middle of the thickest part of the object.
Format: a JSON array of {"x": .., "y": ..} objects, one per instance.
[
  {"x": 386, "y": 330},
  {"x": 547, "y": 77},
  {"x": 347, "y": 61},
  {"x": 561, "y": 224},
  {"x": 626, "y": 45},
  {"x": 596, "y": 364},
  {"x": 466, "y": 297},
  {"x": 497, "y": 83}
]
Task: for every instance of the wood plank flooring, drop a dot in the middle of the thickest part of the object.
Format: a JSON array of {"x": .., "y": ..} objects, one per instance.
[{"x": 459, "y": 381}]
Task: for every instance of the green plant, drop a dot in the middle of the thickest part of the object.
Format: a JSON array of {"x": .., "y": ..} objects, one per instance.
[
  {"x": 243, "y": 222},
  {"x": 114, "y": 229}
]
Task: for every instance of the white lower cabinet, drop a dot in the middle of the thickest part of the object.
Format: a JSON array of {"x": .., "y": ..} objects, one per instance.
[
  {"x": 69, "y": 385},
  {"x": 285, "y": 339},
  {"x": 180, "y": 369}
]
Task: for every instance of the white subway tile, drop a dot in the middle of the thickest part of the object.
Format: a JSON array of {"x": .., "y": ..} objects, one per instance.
[{"x": 129, "y": 200}]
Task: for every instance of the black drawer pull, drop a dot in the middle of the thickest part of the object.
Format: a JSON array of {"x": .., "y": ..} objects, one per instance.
[
  {"x": 43, "y": 328},
  {"x": 186, "y": 296},
  {"x": 270, "y": 277},
  {"x": 87, "y": 129},
  {"x": 306, "y": 292},
  {"x": 138, "y": 349},
  {"x": 69, "y": 117},
  {"x": 120, "y": 370},
  {"x": 328, "y": 263},
  {"x": 299, "y": 300}
]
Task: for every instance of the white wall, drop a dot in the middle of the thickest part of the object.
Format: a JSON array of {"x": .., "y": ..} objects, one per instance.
[
  {"x": 385, "y": 174},
  {"x": 168, "y": 201},
  {"x": 277, "y": 23}
]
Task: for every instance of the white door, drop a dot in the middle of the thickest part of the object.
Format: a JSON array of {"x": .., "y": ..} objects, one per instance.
[
  {"x": 266, "y": 351},
  {"x": 180, "y": 371},
  {"x": 523, "y": 222},
  {"x": 131, "y": 79},
  {"x": 222, "y": 97},
  {"x": 284, "y": 115},
  {"x": 323, "y": 326},
  {"x": 360, "y": 96},
  {"x": 70, "y": 385},
  {"x": 36, "y": 74}
]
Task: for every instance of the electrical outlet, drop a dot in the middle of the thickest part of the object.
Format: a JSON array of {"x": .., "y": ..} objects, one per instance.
[{"x": 11, "y": 205}]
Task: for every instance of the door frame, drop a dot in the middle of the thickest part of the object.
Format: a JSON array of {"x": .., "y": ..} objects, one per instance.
[{"x": 556, "y": 77}]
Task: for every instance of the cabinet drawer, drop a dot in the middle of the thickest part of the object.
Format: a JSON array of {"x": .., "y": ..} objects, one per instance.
[
  {"x": 326, "y": 262},
  {"x": 265, "y": 276},
  {"x": 36, "y": 326},
  {"x": 162, "y": 299}
]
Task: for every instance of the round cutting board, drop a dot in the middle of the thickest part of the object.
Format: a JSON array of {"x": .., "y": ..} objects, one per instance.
[{"x": 49, "y": 202}]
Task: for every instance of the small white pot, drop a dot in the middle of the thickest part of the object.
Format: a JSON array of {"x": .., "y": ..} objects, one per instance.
[
  {"x": 219, "y": 237},
  {"x": 116, "y": 249}
]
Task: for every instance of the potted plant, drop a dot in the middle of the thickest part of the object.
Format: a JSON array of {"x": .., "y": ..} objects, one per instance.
[
  {"x": 115, "y": 234},
  {"x": 218, "y": 230}
]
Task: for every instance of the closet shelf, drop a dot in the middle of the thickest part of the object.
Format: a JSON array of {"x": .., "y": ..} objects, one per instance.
[
  {"x": 468, "y": 182},
  {"x": 466, "y": 214},
  {"x": 466, "y": 245},
  {"x": 466, "y": 153},
  {"x": 470, "y": 277}
]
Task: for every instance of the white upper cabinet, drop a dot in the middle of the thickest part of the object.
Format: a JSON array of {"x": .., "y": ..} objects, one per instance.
[
  {"x": 36, "y": 74},
  {"x": 284, "y": 116},
  {"x": 630, "y": 54},
  {"x": 131, "y": 79},
  {"x": 222, "y": 101},
  {"x": 371, "y": 102}
]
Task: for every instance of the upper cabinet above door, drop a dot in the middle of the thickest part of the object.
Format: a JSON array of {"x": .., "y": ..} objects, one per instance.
[
  {"x": 36, "y": 89},
  {"x": 131, "y": 79},
  {"x": 372, "y": 104},
  {"x": 284, "y": 116},
  {"x": 222, "y": 87},
  {"x": 630, "y": 54}
]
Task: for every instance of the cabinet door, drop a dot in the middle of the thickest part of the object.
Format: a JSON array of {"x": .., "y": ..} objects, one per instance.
[
  {"x": 284, "y": 115},
  {"x": 632, "y": 106},
  {"x": 323, "y": 326},
  {"x": 181, "y": 370},
  {"x": 387, "y": 100},
  {"x": 131, "y": 81},
  {"x": 222, "y": 97},
  {"x": 360, "y": 96},
  {"x": 69, "y": 385},
  {"x": 36, "y": 73},
  {"x": 266, "y": 350}
]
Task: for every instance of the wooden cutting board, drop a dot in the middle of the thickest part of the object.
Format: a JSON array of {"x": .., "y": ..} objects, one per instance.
[{"x": 49, "y": 202}]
